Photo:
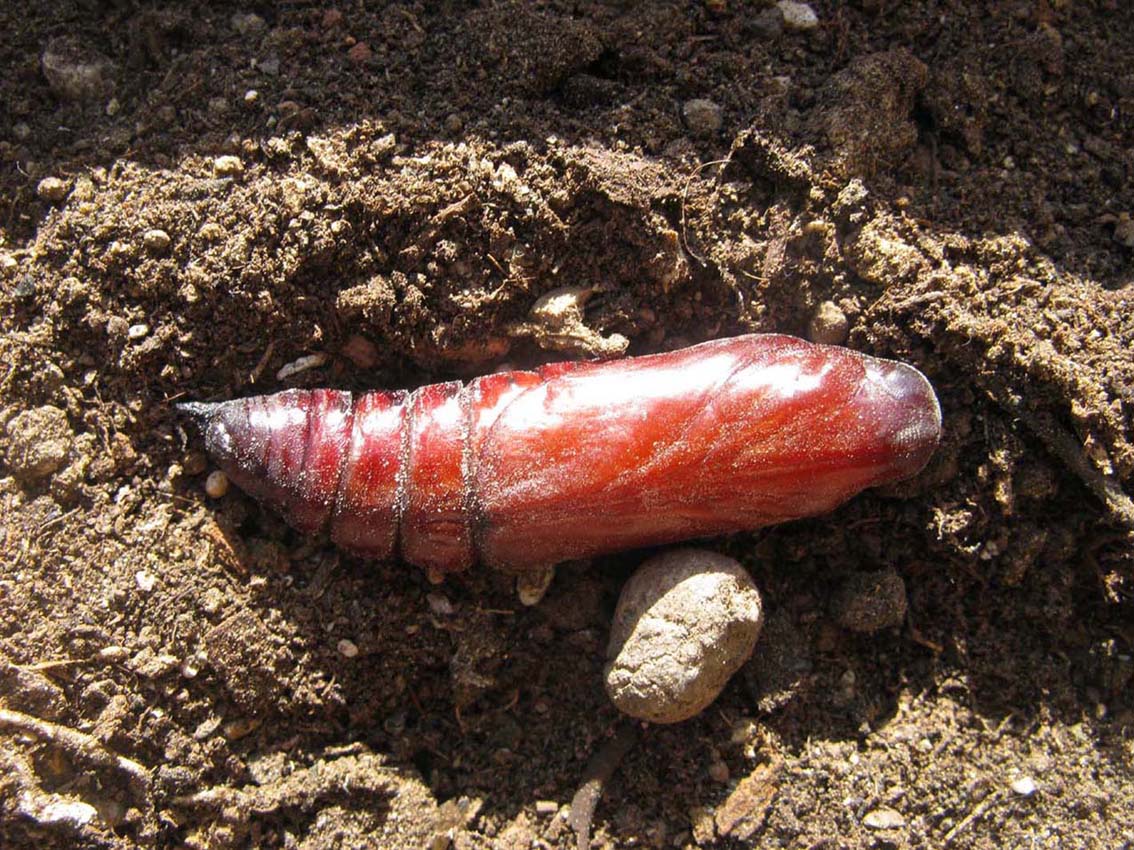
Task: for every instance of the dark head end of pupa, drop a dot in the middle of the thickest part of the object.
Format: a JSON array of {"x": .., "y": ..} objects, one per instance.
[{"x": 200, "y": 411}]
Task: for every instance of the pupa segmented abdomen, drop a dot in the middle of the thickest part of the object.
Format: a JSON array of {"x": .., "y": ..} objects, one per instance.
[{"x": 521, "y": 470}]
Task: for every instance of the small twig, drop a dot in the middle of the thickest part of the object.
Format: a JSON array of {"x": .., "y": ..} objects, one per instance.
[
  {"x": 685, "y": 197},
  {"x": 262, "y": 363},
  {"x": 1064, "y": 446},
  {"x": 598, "y": 773},
  {"x": 76, "y": 743},
  {"x": 977, "y": 813}
]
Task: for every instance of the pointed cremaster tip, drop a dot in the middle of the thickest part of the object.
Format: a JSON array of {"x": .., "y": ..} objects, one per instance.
[{"x": 199, "y": 410}]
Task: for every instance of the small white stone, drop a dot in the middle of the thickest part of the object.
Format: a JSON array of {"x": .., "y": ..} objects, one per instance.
[
  {"x": 1025, "y": 786},
  {"x": 883, "y": 819},
  {"x": 71, "y": 812},
  {"x": 145, "y": 581},
  {"x": 216, "y": 485},
  {"x": 348, "y": 648},
  {"x": 251, "y": 96},
  {"x": 798, "y": 16},
  {"x": 137, "y": 331},
  {"x": 190, "y": 667},
  {"x": 156, "y": 240}
]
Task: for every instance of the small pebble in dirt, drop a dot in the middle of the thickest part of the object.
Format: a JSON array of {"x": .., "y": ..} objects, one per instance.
[
  {"x": 685, "y": 622},
  {"x": 718, "y": 772},
  {"x": 798, "y": 16},
  {"x": 883, "y": 819},
  {"x": 195, "y": 463},
  {"x": 117, "y": 326},
  {"x": 871, "y": 601},
  {"x": 138, "y": 331},
  {"x": 439, "y": 604},
  {"x": 216, "y": 485},
  {"x": 228, "y": 166},
  {"x": 360, "y": 351},
  {"x": 75, "y": 70},
  {"x": 769, "y": 23},
  {"x": 156, "y": 241},
  {"x": 248, "y": 23},
  {"x": 39, "y": 442},
  {"x": 1124, "y": 230},
  {"x": 829, "y": 325},
  {"x": 702, "y": 116},
  {"x": 546, "y": 807},
  {"x": 1025, "y": 786},
  {"x": 348, "y": 648},
  {"x": 360, "y": 53},
  {"x": 51, "y": 189}
]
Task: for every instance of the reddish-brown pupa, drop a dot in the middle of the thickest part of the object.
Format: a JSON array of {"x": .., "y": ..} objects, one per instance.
[{"x": 523, "y": 470}]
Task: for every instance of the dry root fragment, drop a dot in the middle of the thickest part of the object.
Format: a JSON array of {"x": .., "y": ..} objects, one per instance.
[
  {"x": 601, "y": 767},
  {"x": 557, "y": 325}
]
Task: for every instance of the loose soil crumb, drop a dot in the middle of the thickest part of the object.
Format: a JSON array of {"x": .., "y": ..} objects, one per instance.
[{"x": 197, "y": 195}]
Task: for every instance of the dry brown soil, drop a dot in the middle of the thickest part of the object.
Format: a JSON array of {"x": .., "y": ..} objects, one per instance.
[{"x": 408, "y": 178}]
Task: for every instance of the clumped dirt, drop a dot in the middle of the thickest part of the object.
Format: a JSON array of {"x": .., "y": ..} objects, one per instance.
[{"x": 195, "y": 195}]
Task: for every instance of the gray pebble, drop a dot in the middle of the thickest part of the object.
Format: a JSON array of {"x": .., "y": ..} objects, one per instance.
[
  {"x": 870, "y": 602},
  {"x": 883, "y": 819},
  {"x": 798, "y": 16},
  {"x": 702, "y": 117},
  {"x": 829, "y": 325},
  {"x": 686, "y": 621},
  {"x": 248, "y": 23},
  {"x": 39, "y": 442},
  {"x": 75, "y": 70}
]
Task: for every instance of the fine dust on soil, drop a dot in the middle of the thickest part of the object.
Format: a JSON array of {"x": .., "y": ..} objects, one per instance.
[{"x": 393, "y": 186}]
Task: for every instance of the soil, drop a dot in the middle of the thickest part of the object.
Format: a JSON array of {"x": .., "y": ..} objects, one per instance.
[{"x": 196, "y": 195}]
